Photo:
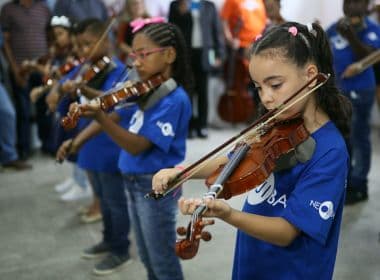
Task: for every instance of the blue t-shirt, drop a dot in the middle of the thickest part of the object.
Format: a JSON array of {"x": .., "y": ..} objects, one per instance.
[
  {"x": 344, "y": 56},
  {"x": 100, "y": 153},
  {"x": 310, "y": 196},
  {"x": 165, "y": 125}
]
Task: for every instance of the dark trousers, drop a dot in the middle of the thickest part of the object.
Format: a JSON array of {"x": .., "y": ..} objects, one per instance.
[
  {"x": 200, "y": 91},
  {"x": 23, "y": 114}
]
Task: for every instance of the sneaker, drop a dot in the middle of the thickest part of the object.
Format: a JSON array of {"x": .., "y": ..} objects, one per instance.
[
  {"x": 110, "y": 264},
  {"x": 354, "y": 196},
  {"x": 64, "y": 186},
  {"x": 202, "y": 133},
  {"x": 17, "y": 165},
  {"x": 76, "y": 193},
  {"x": 95, "y": 251},
  {"x": 91, "y": 217}
]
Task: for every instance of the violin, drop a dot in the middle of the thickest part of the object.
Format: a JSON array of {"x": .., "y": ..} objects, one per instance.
[
  {"x": 109, "y": 100},
  {"x": 257, "y": 149},
  {"x": 63, "y": 69},
  {"x": 251, "y": 166},
  {"x": 236, "y": 105}
]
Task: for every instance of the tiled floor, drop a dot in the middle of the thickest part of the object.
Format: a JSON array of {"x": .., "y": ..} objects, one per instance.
[{"x": 42, "y": 238}]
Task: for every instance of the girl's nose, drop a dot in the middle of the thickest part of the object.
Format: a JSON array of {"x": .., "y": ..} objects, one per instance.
[{"x": 266, "y": 97}]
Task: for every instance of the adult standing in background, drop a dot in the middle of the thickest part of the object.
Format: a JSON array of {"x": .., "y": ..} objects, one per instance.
[
  {"x": 247, "y": 18},
  {"x": 8, "y": 152},
  {"x": 352, "y": 38},
  {"x": 78, "y": 10},
  {"x": 24, "y": 25},
  {"x": 202, "y": 29},
  {"x": 243, "y": 21},
  {"x": 134, "y": 9}
]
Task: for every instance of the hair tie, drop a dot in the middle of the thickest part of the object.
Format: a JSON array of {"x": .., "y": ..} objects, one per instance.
[
  {"x": 311, "y": 30},
  {"x": 258, "y": 37},
  {"x": 60, "y": 21},
  {"x": 139, "y": 23},
  {"x": 293, "y": 30}
]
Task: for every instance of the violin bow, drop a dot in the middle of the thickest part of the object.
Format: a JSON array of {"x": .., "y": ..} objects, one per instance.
[{"x": 252, "y": 131}]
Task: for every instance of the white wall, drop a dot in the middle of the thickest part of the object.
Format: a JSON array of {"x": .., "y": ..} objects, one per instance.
[{"x": 326, "y": 11}]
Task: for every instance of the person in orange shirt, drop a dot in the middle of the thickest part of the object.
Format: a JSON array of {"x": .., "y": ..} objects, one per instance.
[{"x": 242, "y": 20}]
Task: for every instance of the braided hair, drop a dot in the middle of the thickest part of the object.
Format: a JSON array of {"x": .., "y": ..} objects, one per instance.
[
  {"x": 168, "y": 35},
  {"x": 310, "y": 44}
]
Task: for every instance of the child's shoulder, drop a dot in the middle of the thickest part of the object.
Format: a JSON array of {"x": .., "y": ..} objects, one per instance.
[{"x": 328, "y": 138}]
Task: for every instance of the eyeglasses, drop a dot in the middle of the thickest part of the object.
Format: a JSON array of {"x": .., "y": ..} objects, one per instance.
[{"x": 141, "y": 55}]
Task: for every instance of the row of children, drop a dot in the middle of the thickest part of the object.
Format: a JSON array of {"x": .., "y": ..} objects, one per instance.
[
  {"x": 153, "y": 138},
  {"x": 122, "y": 150}
]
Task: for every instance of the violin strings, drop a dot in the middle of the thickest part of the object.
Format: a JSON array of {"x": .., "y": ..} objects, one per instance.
[{"x": 249, "y": 135}]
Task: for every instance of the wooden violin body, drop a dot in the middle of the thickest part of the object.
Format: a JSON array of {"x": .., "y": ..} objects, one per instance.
[
  {"x": 260, "y": 160},
  {"x": 236, "y": 105},
  {"x": 108, "y": 101}
]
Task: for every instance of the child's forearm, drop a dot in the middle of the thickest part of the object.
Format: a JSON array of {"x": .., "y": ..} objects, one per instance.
[{"x": 273, "y": 230}]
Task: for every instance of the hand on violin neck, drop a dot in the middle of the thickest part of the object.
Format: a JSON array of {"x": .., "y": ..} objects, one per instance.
[
  {"x": 70, "y": 86},
  {"x": 215, "y": 207},
  {"x": 92, "y": 110}
]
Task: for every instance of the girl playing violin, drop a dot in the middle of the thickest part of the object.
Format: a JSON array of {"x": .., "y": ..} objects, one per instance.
[
  {"x": 154, "y": 138},
  {"x": 289, "y": 225}
]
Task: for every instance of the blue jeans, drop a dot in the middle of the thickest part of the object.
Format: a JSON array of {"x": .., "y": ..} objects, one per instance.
[
  {"x": 154, "y": 223},
  {"x": 80, "y": 176},
  {"x": 362, "y": 102},
  {"x": 7, "y": 128},
  {"x": 113, "y": 202}
]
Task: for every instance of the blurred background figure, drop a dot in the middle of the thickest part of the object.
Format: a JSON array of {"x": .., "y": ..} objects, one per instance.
[
  {"x": 352, "y": 38},
  {"x": 133, "y": 9},
  {"x": 273, "y": 11},
  {"x": 243, "y": 21},
  {"x": 78, "y": 10},
  {"x": 24, "y": 25},
  {"x": 157, "y": 8},
  {"x": 202, "y": 29}
]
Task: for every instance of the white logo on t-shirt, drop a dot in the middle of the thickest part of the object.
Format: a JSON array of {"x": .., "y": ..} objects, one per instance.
[
  {"x": 250, "y": 5},
  {"x": 136, "y": 122},
  {"x": 325, "y": 209},
  {"x": 262, "y": 192},
  {"x": 166, "y": 128},
  {"x": 339, "y": 42},
  {"x": 372, "y": 36}
]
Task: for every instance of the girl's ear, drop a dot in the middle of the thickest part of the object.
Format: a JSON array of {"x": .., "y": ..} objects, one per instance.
[
  {"x": 171, "y": 55},
  {"x": 311, "y": 72}
]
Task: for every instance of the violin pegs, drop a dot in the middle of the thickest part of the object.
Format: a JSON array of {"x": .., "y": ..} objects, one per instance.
[
  {"x": 181, "y": 231},
  {"x": 206, "y": 236}
]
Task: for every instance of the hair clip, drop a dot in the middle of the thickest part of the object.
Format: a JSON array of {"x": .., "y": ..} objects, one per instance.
[
  {"x": 311, "y": 30},
  {"x": 258, "y": 37},
  {"x": 293, "y": 30},
  {"x": 139, "y": 23},
  {"x": 60, "y": 21}
]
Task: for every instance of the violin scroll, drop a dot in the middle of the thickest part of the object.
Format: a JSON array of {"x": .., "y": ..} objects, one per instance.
[{"x": 186, "y": 248}]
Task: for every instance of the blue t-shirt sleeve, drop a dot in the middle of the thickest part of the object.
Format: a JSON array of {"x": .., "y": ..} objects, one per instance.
[
  {"x": 161, "y": 125},
  {"x": 320, "y": 189},
  {"x": 372, "y": 37}
]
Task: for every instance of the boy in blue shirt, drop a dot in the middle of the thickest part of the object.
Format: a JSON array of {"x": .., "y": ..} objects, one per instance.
[{"x": 352, "y": 38}]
